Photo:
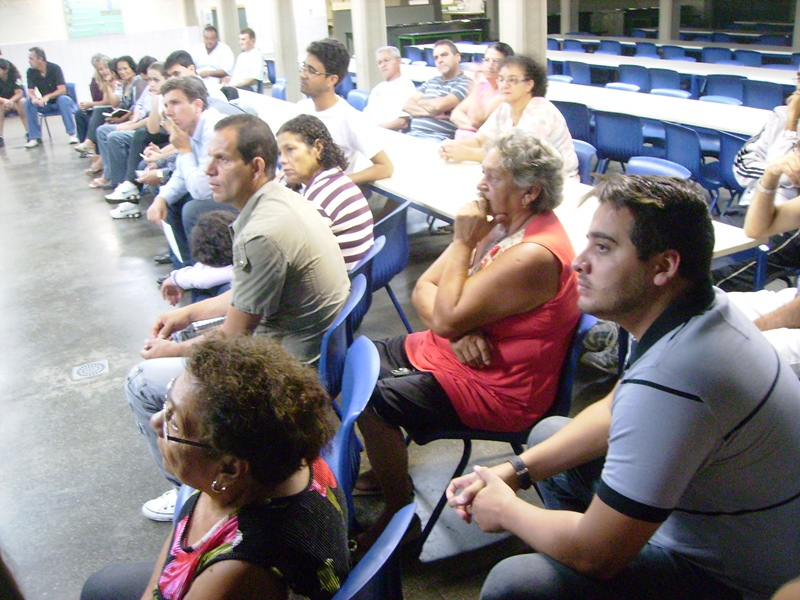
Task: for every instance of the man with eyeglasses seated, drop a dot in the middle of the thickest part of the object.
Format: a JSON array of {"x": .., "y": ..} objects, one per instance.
[
  {"x": 430, "y": 107},
  {"x": 325, "y": 67},
  {"x": 385, "y": 107}
]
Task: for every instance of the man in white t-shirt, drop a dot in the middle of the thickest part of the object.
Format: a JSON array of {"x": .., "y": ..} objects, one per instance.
[
  {"x": 213, "y": 59},
  {"x": 248, "y": 71},
  {"x": 385, "y": 106},
  {"x": 325, "y": 66}
]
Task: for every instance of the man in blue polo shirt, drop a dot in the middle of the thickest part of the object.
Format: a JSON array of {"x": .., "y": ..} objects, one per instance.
[
  {"x": 47, "y": 95},
  {"x": 430, "y": 107},
  {"x": 685, "y": 481}
]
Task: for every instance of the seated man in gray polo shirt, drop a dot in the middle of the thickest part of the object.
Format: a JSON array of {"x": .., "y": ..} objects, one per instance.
[
  {"x": 685, "y": 481},
  {"x": 289, "y": 277},
  {"x": 430, "y": 107}
]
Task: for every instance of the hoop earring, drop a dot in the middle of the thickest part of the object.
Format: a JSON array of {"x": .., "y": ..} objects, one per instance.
[{"x": 214, "y": 487}]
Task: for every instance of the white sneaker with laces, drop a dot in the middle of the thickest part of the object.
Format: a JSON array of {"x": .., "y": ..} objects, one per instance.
[
  {"x": 123, "y": 192},
  {"x": 161, "y": 508},
  {"x": 73, "y": 139},
  {"x": 33, "y": 143},
  {"x": 126, "y": 210}
]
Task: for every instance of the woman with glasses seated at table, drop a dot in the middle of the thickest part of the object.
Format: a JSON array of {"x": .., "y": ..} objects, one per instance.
[
  {"x": 501, "y": 307},
  {"x": 313, "y": 165},
  {"x": 485, "y": 96},
  {"x": 523, "y": 85},
  {"x": 244, "y": 426}
]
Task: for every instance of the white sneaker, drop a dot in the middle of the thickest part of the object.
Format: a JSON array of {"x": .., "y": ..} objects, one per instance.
[
  {"x": 73, "y": 139},
  {"x": 161, "y": 508},
  {"x": 33, "y": 143},
  {"x": 126, "y": 210},
  {"x": 123, "y": 192}
]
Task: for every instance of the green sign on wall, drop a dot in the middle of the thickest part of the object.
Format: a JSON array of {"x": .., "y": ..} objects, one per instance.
[{"x": 88, "y": 18}]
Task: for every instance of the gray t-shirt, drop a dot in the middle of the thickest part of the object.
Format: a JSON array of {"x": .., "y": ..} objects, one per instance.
[
  {"x": 705, "y": 436},
  {"x": 436, "y": 128},
  {"x": 287, "y": 267}
]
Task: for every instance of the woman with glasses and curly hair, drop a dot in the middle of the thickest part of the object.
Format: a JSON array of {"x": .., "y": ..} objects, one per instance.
[
  {"x": 243, "y": 425},
  {"x": 314, "y": 166}
]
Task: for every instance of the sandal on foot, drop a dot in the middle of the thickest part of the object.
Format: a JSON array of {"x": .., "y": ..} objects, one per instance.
[{"x": 99, "y": 183}]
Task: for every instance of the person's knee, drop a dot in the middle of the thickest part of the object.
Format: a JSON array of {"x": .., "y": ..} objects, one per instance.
[
  {"x": 528, "y": 577},
  {"x": 546, "y": 428}
]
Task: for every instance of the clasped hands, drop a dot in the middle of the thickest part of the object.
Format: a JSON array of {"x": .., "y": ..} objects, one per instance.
[{"x": 481, "y": 496}]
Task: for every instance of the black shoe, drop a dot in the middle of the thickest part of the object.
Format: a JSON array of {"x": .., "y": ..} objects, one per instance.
[
  {"x": 161, "y": 279},
  {"x": 162, "y": 259}
]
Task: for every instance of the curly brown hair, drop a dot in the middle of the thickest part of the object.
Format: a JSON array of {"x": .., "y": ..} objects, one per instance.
[
  {"x": 256, "y": 402},
  {"x": 210, "y": 241},
  {"x": 311, "y": 129}
]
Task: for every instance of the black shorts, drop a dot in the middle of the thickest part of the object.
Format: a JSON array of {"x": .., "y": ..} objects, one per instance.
[{"x": 415, "y": 402}]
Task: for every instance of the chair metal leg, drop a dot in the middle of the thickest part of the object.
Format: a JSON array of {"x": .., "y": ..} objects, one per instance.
[
  {"x": 443, "y": 500},
  {"x": 399, "y": 308},
  {"x": 43, "y": 119}
]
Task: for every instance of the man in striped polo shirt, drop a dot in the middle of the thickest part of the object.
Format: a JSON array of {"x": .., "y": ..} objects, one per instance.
[{"x": 430, "y": 107}]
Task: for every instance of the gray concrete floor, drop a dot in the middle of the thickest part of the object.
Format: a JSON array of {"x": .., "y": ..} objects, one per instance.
[{"x": 80, "y": 288}]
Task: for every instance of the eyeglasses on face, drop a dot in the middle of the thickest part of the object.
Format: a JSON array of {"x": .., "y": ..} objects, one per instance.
[
  {"x": 168, "y": 418},
  {"x": 311, "y": 70},
  {"x": 510, "y": 80}
]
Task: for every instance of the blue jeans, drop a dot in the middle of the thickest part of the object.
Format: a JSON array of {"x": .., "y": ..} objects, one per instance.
[
  {"x": 102, "y": 134},
  {"x": 63, "y": 105},
  {"x": 655, "y": 574}
]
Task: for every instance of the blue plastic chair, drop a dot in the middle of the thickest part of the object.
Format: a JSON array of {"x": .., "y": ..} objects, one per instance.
[
  {"x": 609, "y": 47},
  {"x": 721, "y": 99},
  {"x": 675, "y": 53},
  {"x": 552, "y": 44},
  {"x": 730, "y": 144},
  {"x": 772, "y": 39},
  {"x": 270, "y": 70},
  {"x": 394, "y": 258},
  {"x": 751, "y": 58},
  {"x": 427, "y": 56},
  {"x": 623, "y": 87},
  {"x": 712, "y": 54},
  {"x": 683, "y": 147},
  {"x": 580, "y": 72},
  {"x": 561, "y": 78},
  {"x": 578, "y": 118},
  {"x": 635, "y": 75},
  {"x": 344, "y": 86},
  {"x": 560, "y": 407},
  {"x": 762, "y": 94},
  {"x": 364, "y": 267},
  {"x": 360, "y": 374},
  {"x": 667, "y": 79},
  {"x": 725, "y": 85},
  {"x": 619, "y": 137},
  {"x": 571, "y": 45},
  {"x": 720, "y": 37},
  {"x": 650, "y": 165},
  {"x": 671, "y": 92},
  {"x": 413, "y": 54},
  {"x": 586, "y": 153},
  {"x": 377, "y": 575},
  {"x": 647, "y": 50},
  {"x": 358, "y": 99},
  {"x": 639, "y": 33},
  {"x": 335, "y": 343},
  {"x": 279, "y": 90}
]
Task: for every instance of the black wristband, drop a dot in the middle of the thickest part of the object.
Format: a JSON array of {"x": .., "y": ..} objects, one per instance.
[{"x": 524, "y": 480}]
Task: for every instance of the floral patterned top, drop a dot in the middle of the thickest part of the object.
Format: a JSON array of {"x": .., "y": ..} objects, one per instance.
[{"x": 302, "y": 539}]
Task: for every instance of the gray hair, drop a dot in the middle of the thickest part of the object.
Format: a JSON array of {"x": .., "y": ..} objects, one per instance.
[
  {"x": 391, "y": 49},
  {"x": 531, "y": 160}
]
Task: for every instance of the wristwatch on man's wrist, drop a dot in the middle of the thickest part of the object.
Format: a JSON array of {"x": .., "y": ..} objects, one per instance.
[{"x": 524, "y": 480}]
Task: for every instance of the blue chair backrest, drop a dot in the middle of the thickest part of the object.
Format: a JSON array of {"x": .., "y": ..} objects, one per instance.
[
  {"x": 580, "y": 72},
  {"x": 650, "y": 165},
  {"x": 394, "y": 259},
  {"x": 647, "y": 49},
  {"x": 586, "y": 152},
  {"x": 772, "y": 39},
  {"x": 377, "y": 575},
  {"x": 184, "y": 492},
  {"x": 618, "y": 136},
  {"x": 428, "y": 57},
  {"x": 361, "y": 368},
  {"x": 271, "y": 70},
  {"x": 358, "y": 99},
  {"x": 762, "y": 94},
  {"x": 683, "y": 147},
  {"x": 563, "y": 401},
  {"x": 578, "y": 119},
  {"x": 636, "y": 75},
  {"x": 638, "y": 33},
  {"x": 364, "y": 267},
  {"x": 729, "y": 146},
  {"x": 334, "y": 343},
  {"x": 665, "y": 79},
  {"x": 672, "y": 52},
  {"x": 72, "y": 93},
  {"x": 720, "y": 37},
  {"x": 609, "y": 47},
  {"x": 713, "y": 55},
  {"x": 570, "y": 45},
  {"x": 552, "y": 44},
  {"x": 279, "y": 91},
  {"x": 725, "y": 85},
  {"x": 751, "y": 58},
  {"x": 721, "y": 99},
  {"x": 560, "y": 78},
  {"x": 344, "y": 86},
  {"x": 413, "y": 53}
]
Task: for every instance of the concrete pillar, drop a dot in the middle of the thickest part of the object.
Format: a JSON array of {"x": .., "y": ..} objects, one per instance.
[
  {"x": 228, "y": 19},
  {"x": 369, "y": 34},
  {"x": 569, "y": 16},
  {"x": 190, "y": 18},
  {"x": 796, "y": 31},
  {"x": 523, "y": 25},
  {"x": 285, "y": 47},
  {"x": 669, "y": 20}
]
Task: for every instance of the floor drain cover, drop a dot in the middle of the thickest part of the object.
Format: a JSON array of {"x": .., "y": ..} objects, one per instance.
[{"x": 92, "y": 369}]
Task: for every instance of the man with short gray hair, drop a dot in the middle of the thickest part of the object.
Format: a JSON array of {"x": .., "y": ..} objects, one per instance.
[{"x": 385, "y": 107}]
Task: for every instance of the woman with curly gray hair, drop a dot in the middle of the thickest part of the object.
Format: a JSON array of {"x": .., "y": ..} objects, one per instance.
[
  {"x": 243, "y": 426},
  {"x": 313, "y": 164}
]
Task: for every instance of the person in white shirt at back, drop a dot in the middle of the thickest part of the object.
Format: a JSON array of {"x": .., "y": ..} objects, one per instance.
[
  {"x": 248, "y": 71},
  {"x": 385, "y": 106},
  {"x": 213, "y": 59},
  {"x": 325, "y": 66}
]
